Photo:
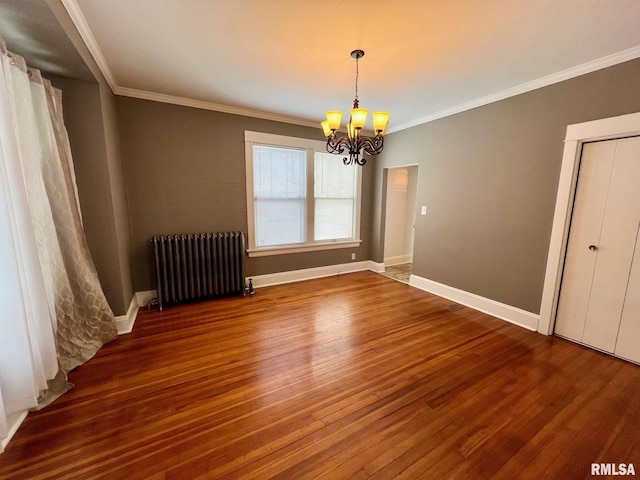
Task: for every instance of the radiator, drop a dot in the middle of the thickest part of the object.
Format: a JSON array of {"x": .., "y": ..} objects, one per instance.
[{"x": 204, "y": 265}]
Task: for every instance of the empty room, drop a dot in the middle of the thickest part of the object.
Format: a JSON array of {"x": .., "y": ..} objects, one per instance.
[{"x": 254, "y": 239}]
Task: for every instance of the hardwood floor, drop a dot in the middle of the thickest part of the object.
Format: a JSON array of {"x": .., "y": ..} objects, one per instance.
[{"x": 355, "y": 376}]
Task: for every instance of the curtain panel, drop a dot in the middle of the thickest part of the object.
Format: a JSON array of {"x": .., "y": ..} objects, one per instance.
[{"x": 54, "y": 313}]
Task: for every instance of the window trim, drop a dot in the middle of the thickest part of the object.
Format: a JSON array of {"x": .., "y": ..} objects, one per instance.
[{"x": 311, "y": 146}]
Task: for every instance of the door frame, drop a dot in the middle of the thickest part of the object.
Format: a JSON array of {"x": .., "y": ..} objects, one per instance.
[{"x": 577, "y": 134}]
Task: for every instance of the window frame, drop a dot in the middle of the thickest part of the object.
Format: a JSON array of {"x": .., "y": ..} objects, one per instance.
[{"x": 311, "y": 146}]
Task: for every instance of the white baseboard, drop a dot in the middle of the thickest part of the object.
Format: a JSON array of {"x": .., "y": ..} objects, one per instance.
[
  {"x": 398, "y": 260},
  {"x": 505, "y": 312},
  {"x": 511, "y": 314},
  {"x": 13, "y": 423},
  {"x": 311, "y": 273},
  {"x": 376, "y": 267},
  {"x": 139, "y": 299},
  {"x": 125, "y": 322}
]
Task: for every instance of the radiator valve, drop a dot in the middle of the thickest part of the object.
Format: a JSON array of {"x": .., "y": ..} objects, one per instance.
[
  {"x": 249, "y": 287},
  {"x": 153, "y": 303}
]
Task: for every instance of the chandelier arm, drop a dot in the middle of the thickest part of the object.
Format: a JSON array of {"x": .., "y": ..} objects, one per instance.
[
  {"x": 354, "y": 157},
  {"x": 360, "y": 160},
  {"x": 373, "y": 146},
  {"x": 337, "y": 144}
]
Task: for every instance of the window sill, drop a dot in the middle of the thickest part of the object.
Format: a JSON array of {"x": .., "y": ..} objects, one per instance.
[{"x": 267, "y": 251}]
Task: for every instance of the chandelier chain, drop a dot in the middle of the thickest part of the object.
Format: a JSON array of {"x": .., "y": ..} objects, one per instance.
[{"x": 355, "y": 100}]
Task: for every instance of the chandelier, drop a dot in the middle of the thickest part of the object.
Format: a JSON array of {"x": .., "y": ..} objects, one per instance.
[{"x": 354, "y": 142}]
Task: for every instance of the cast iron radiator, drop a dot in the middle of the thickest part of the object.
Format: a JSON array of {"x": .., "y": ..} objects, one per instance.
[{"x": 199, "y": 266}]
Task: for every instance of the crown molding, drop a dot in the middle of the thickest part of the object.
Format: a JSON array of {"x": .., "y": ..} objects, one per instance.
[
  {"x": 87, "y": 36},
  {"x": 82, "y": 26},
  {"x": 218, "y": 107},
  {"x": 588, "y": 67},
  {"x": 80, "y": 22}
]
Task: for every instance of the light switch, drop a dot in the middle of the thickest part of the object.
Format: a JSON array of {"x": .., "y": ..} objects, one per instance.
[{"x": 423, "y": 210}]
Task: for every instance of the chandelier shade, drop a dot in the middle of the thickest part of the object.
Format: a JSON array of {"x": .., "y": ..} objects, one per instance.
[
  {"x": 380, "y": 122},
  {"x": 354, "y": 142}
]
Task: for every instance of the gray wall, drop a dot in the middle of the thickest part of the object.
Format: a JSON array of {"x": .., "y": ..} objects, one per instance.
[
  {"x": 185, "y": 173},
  {"x": 489, "y": 179}
]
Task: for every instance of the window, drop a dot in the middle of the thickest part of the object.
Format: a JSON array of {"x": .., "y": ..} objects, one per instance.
[
  {"x": 298, "y": 197},
  {"x": 335, "y": 198}
]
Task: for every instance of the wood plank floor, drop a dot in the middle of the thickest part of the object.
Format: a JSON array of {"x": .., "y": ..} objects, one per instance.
[{"x": 355, "y": 376}]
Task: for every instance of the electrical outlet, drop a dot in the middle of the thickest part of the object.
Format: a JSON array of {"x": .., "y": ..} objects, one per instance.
[{"x": 353, "y": 256}]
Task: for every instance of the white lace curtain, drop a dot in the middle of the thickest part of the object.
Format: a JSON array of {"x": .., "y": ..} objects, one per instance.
[{"x": 53, "y": 313}]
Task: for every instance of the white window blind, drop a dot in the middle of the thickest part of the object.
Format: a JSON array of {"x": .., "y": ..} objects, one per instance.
[
  {"x": 335, "y": 198},
  {"x": 280, "y": 184},
  {"x": 299, "y": 198}
]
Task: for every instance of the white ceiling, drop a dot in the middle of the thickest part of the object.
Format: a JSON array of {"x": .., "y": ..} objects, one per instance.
[
  {"x": 289, "y": 59},
  {"x": 29, "y": 28}
]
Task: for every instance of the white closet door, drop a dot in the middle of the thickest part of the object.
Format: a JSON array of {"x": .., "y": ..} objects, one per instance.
[
  {"x": 594, "y": 296},
  {"x": 586, "y": 224},
  {"x": 628, "y": 344},
  {"x": 616, "y": 248}
]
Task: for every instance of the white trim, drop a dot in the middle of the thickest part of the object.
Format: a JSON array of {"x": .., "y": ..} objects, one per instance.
[
  {"x": 311, "y": 247},
  {"x": 514, "y": 315},
  {"x": 312, "y": 148},
  {"x": 511, "y": 314},
  {"x": 402, "y": 165},
  {"x": 125, "y": 322},
  {"x": 608, "y": 128},
  {"x": 505, "y": 312},
  {"x": 284, "y": 140},
  {"x": 588, "y": 67},
  {"x": 605, "y": 129},
  {"x": 398, "y": 259},
  {"x": 80, "y": 23},
  {"x": 310, "y": 273},
  {"x": 13, "y": 423},
  {"x": 85, "y": 32},
  {"x": 216, "y": 107},
  {"x": 139, "y": 299},
  {"x": 376, "y": 267}
]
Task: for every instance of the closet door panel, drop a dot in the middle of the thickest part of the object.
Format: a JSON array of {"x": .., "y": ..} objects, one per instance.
[
  {"x": 628, "y": 344},
  {"x": 615, "y": 249},
  {"x": 588, "y": 212}
]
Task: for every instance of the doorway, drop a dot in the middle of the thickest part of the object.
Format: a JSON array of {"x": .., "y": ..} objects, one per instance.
[
  {"x": 578, "y": 136},
  {"x": 400, "y": 218}
]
